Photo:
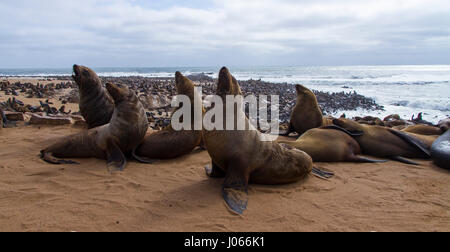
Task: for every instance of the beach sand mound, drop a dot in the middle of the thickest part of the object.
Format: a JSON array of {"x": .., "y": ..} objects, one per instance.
[{"x": 176, "y": 195}]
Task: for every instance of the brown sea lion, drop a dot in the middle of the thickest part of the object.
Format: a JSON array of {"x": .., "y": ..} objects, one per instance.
[
  {"x": 242, "y": 157},
  {"x": 169, "y": 143},
  {"x": 306, "y": 113},
  {"x": 330, "y": 145},
  {"x": 440, "y": 151},
  {"x": 96, "y": 105},
  {"x": 112, "y": 141},
  {"x": 423, "y": 129},
  {"x": 384, "y": 142},
  {"x": 2, "y": 119}
]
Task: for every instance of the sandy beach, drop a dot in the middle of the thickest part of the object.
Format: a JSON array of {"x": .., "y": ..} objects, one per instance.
[{"x": 176, "y": 195}]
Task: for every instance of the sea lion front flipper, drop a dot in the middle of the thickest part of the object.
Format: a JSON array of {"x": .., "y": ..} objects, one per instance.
[
  {"x": 362, "y": 159},
  {"x": 115, "y": 158},
  {"x": 350, "y": 133},
  {"x": 320, "y": 173},
  {"x": 49, "y": 158},
  {"x": 404, "y": 160},
  {"x": 234, "y": 190},
  {"x": 412, "y": 141},
  {"x": 214, "y": 171}
]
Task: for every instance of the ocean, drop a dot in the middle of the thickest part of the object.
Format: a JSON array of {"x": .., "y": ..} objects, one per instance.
[{"x": 403, "y": 90}]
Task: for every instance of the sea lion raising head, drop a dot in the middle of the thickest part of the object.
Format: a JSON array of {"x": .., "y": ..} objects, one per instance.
[
  {"x": 96, "y": 106},
  {"x": 112, "y": 141},
  {"x": 242, "y": 157},
  {"x": 169, "y": 143},
  {"x": 306, "y": 113}
]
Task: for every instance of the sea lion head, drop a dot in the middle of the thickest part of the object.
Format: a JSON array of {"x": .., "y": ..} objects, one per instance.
[
  {"x": 85, "y": 76},
  {"x": 227, "y": 84},
  {"x": 184, "y": 85},
  {"x": 119, "y": 92},
  {"x": 304, "y": 94},
  {"x": 349, "y": 125}
]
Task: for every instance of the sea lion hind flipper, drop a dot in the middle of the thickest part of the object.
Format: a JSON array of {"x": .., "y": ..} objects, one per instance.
[
  {"x": 412, "y": 141},
  {"x": 49, "y": 158},
  {"x": 234, "y": 191},
  {"x": 404, "y": 160},
  {"x": 350, "y": 133},
  {"x": 116, "y": 160},
  {"x": 214, "y": 171},
  {"x": 320, "y": 173},
  {"x": 140, "y": 159},
  {"x": 367, "y": 160}
]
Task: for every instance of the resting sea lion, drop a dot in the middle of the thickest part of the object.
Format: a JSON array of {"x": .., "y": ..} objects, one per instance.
[
  {"x": 306, "y": 113},
  {"x": 169, "y": 143},
  {"x": 384, "y": 142},
  {"x": 440, "y": 151},
  {"x": 112, "y": 141},
  {"x": 329, "y": 145},
  {"x": 423, "y": 129},
  {"x": 96, "y": 105},
  {"x": 242, "y": 157}
]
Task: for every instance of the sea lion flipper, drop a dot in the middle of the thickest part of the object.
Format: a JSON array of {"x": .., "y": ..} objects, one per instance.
[
  {"x": 335, "y": 127},
  {"x": 214, "y": 171},
  {"x": 404, "y": 160},
  {"x": 367, "y": 160},
  {"x": 49, "y": 158},
  {"x": 412, "y": 141},
  {"x": 140, "y": 159},
  {"x": 234, "y": 191},
  {"x": 320, "y": 173},
  {"x": 115, "y": 157}
]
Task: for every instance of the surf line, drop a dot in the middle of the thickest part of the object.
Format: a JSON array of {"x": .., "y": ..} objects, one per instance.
[{"x": 212, "y": 243}]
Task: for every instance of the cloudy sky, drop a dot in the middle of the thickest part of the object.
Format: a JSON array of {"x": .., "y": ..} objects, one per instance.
[{"x": 54, "y": 33}]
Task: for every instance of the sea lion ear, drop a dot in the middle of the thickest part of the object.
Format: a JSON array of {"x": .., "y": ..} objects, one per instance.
[{"x": 225, "y": 85}]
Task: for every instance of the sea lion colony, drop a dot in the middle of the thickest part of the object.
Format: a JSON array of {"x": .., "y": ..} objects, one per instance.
[{"x": 120, "y": 127}]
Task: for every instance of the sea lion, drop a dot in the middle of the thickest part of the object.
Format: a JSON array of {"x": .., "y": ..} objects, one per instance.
[
  {"x": 440, "y": 151},
  {"x": 3, "y": 119},
  {"x": 112, "y": 141},
  {"x": 169, "y": 143},
  {"x": 330, "y": 145},
  {"x": 242, "y": 157},
  {"x": 423, "y": 129},
  {"x": 444, "y": 124},
  {"x": 384, "y": 142},
  {"x": 96, "y": 105},
  {"x": 306, "y": 113}
]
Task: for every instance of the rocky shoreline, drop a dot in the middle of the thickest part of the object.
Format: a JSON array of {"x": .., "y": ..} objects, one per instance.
[{"x": 156, "y": 95}]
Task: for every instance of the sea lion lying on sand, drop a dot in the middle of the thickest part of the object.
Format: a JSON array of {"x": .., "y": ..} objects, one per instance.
[
  {"x": 169, "y": 143},
  {"x": 423, "y": 129},
  {"x": 384, "y": 142},
  {"x": 112, "y": 141},
  {"x": 2, "y": 119},
  {"x": 330, "y": 145},
  {"x": 96, "y": 105},
  {"x": 242, "y": 157}
]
